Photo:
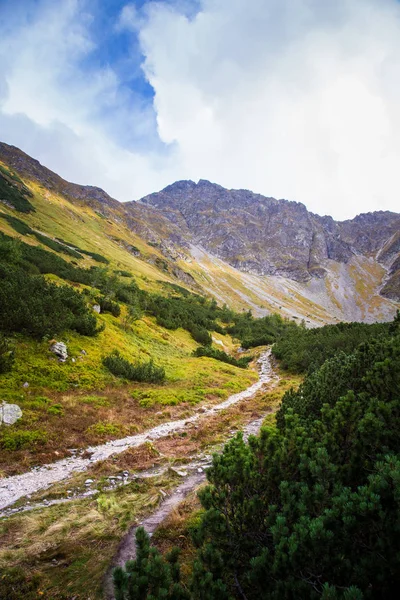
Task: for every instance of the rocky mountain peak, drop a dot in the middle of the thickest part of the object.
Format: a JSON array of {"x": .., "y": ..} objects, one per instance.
[{"x": 266, "y": 236}]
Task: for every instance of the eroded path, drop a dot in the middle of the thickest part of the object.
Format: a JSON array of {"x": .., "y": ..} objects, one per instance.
[{"x": 40, "y": 478}]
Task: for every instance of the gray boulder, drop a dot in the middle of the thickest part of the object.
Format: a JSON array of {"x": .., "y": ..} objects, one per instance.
[
  {"x": 96, "y": 308},
  {"x": 9, "y": 413},
  {"x": 60, "y": 350}
]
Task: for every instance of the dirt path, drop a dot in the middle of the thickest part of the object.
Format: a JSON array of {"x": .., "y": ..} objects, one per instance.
[
  {"x": 127, "y": 548},
  {"x": 39, "y": 478}
]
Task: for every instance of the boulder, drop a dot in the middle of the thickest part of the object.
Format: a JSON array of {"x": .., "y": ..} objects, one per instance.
[
  {"x": 96, "y": 308},
  {"x": 9, "y": 413},
  {"x": 60, "y": 350}
]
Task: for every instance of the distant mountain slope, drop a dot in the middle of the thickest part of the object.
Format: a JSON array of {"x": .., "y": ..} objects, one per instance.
[
  {"x": 266, "y": 236},
  {"x": 244, "y": 249}
]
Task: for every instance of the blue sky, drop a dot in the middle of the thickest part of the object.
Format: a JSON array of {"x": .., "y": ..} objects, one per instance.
[{"x": 295, "y": 99}]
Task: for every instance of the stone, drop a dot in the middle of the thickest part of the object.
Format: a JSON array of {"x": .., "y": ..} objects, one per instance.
[
  {"x": 25, "y": 385},
  {"x": 180, "y": 473},
  {"x": 10, "y": 413},
  {"x": 60, "y": 350},
  {"x": 88, "y": 481},
  {"x": 96, "y": 308},
  {"x": 83, "y": 352}
]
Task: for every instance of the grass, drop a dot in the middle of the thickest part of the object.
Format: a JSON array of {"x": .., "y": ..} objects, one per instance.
[
  {"x": 67, "y": 548},
  {"x": 70, "y": 399}
]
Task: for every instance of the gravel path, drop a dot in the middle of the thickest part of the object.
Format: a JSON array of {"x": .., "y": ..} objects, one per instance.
[
  {"x": 39, "y": 478},
  {"x": 197, "y": 475}
]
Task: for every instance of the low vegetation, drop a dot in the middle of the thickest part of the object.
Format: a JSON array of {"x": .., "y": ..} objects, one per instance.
[
  {"x": 138, "y": 371},
  {"x": 309, "y": 508},
  {"x": 257, "y": 332},
  {"x": 211, "y": 352},
  {"x": 6, "y": 354},
  {"x": 13, "y": 192},
  {"x": 301, "y": 350},
  {"x": 32, "y": 306}
]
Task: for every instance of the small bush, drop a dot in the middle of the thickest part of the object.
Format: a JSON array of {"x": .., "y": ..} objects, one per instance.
[
  {"x": 19, "y": 439},
  {"x": 14, "y": 194},
  {"x": 31, "y": 305},
  {"x": 6, "y": 355},
  {"x": 200, "y": 335},
  {"x": 109, "y": 306},
  {"x": 95, "y": 400},
  {"x": 223, "y": 356},
  {"x": 56, "y": 409},
  {"x": 145, "y": 371},
  {"x": 100, "y": 429}
]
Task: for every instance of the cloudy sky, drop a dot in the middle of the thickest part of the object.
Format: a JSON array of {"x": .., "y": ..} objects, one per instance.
[{"x": 296, "y": 99}]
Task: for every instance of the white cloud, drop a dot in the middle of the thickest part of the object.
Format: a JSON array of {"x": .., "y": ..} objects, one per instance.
[
  {"x": 290, "y": 98},
  {"x": 295, "y": 99},
  {"x": 129, "y": 18},
  {"x": 71, "y": 117}
]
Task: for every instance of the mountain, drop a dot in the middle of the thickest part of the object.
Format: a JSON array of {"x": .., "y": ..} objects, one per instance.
[
  {"x": 246, "y": 250},
  {"x": 266, "y": 236}
]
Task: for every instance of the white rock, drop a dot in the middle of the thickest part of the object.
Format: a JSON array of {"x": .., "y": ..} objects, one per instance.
[
  {"x": 9, "y": 413},
  {"x": 96, "y": 308},
  {"x": 60, "y": 350}
]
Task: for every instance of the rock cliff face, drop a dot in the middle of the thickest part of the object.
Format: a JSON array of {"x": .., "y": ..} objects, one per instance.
[{"x": 274, "y": 237}]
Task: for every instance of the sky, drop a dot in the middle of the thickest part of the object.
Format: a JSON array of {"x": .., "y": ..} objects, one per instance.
[{"x": 295, "y": 99}]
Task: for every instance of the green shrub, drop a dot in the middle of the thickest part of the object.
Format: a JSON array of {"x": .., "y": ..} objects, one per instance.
[
  {"x": 104, "y": 429},
  {"x": 6, "y": 355},
  {"x": 31, "y": 305},
  {"x": 95, "y": 400},
  {"x": 18, "y": 225},
  {"x": 200, "y": 335},
  {"x": 150, "y": 575},
  {"x": 56, "y": 409},
  {"x": 303, "y": 350},
  {"x": 109, "y": 306},
  {"x": 211, "y": 352},
  {"x": 19, "y": 439},
  {"x": 258, "y": 332},
  {"x": 24, "y": 229},
  {"x": 309, "y": 508},
  {"x": 16, "y": 194},
  {"x": 138, "y": 371}
]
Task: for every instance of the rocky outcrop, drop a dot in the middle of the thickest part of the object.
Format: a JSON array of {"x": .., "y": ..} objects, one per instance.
[{"x": 266, "y": 236}]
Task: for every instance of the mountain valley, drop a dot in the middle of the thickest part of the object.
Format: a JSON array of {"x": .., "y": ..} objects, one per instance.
[{"x": 138, "y": 339}]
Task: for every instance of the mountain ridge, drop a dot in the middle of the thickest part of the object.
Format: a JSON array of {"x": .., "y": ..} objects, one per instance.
[
  {"x": 273, "y": 245},
  {"x": 271, "y": 228}
]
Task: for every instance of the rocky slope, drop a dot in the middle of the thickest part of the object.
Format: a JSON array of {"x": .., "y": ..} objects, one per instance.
[
  {"x": 266, "y": 236},
  {"x": 243, "y": 248}
]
